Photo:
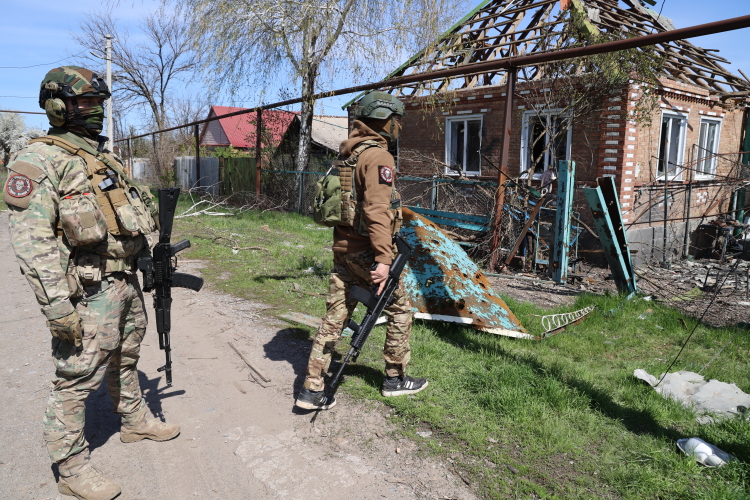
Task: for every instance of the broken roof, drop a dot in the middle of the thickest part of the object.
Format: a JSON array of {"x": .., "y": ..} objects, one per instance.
[{"x": 499, "y": 29}]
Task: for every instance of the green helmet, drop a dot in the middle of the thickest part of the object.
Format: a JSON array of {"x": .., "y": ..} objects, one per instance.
[
  {"x": 379, "y": 105},
  {"x": 68, "y": 82}
]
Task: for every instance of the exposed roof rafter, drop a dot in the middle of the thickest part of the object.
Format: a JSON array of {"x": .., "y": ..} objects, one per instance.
[{"x": 500, "y": 29}]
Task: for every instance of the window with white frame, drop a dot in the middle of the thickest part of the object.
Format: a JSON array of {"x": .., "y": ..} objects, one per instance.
[
  {"x": 671, "y": 144},
  {"x": 708, "y": 146},
  {"x": 545, "y": 140},
  {"x": 463, "y": 143}
]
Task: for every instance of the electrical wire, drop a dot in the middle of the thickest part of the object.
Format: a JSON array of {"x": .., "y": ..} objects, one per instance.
[
  {"x": 716, "y": 294},
  {"x": 44, "y": 64}
]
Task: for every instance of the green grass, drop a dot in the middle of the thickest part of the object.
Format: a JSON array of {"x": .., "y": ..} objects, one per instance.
[{"x": 559, "y": 418}]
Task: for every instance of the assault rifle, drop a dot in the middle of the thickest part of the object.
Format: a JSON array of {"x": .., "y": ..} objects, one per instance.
[
  {"x": 159, "y": 273},
  {"x": 375, "y": 304}
]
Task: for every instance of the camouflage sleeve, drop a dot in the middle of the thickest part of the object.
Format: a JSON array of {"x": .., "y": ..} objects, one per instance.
[{"x": 33, "y": 218}]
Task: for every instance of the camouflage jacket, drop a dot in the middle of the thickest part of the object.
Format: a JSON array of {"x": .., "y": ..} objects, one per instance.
[{"x": 39, "y": 177}]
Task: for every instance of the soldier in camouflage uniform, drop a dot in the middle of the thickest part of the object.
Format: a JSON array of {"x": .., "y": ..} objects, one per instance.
[
  {"x": 77, "y": 225},
  {"x": 363, "y": 253}
]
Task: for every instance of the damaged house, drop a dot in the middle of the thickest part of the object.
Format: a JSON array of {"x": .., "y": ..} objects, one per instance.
[{"x": 672, "y": 143}]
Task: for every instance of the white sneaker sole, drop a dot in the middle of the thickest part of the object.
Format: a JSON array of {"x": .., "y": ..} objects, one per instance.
[
  {"x": 403, "y": 392},
  {"x": 310, "y": 406}
]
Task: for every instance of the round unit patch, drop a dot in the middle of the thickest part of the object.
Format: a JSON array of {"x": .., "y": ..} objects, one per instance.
[
  {"x": 386, "y": 174},
  {"x": 19, "y": 186}
]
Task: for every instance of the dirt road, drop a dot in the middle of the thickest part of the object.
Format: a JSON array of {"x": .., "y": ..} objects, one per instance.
[{"x": 239, "y": 440}]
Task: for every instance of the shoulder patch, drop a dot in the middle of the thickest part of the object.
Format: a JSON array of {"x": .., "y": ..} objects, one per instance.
[
  {"x": 18, "y": 189},
  {"x": 27, "y": 169},
  {"x": 386, "y": 174}
]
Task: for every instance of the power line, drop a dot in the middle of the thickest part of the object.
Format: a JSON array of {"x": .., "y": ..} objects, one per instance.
[
  {"x": 22, "y": 112},
  {"x": 18, "y": 97},
  {"x": 44, "y": 64}
]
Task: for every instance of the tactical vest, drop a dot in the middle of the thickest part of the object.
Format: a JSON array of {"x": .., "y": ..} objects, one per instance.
[
  {"x": 117, "y": 206},
  {"x": 339, "y": 183}
]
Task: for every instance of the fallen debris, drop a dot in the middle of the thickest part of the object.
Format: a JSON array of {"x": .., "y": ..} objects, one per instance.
[
  {"x": 554, "y": 322},
  {"x": 704, "y": 453},
  {"x": 244, "y": 358},
  {"x": 710, "y": 400}
]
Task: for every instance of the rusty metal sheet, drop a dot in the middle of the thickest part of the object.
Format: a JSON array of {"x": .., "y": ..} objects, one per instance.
[{"x": 444, "y": 284}]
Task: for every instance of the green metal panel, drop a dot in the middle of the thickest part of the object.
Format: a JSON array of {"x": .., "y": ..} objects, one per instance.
[
  {"x": 237, "y": 174},
  {"x": 451, "y": 215},
  {"x": 566, "y": 172},
  {"x": 608, "y": 222}
]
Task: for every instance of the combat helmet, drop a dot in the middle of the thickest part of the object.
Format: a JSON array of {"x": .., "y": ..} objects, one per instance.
[
  {"x": 68, "y": 82},
  {"x": 378, "y": 105}
]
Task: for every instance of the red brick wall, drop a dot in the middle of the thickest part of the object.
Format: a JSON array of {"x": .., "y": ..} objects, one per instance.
[{"x": 605, "y": 143}]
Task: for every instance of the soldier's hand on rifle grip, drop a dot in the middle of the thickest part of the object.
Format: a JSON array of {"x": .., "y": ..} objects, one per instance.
[{"x": 379, "y": 274}]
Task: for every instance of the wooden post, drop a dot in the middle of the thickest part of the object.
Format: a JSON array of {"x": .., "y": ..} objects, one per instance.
[
  {"x": 510, "y": 88},
  {"x": 258, "y": 157},
  {"x": 197, "y": 157}
]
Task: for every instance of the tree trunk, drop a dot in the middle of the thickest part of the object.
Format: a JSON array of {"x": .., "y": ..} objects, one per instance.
[{"x": 305, "y": 133}]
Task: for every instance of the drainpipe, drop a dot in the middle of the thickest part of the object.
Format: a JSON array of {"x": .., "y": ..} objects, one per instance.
[
  {"x": 666, "y": 216},
  {"x": 686, "y": 240}
]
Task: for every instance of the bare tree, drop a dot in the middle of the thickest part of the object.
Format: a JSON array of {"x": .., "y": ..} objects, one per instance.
[
  {"x": 257, "y": 42},
  {"x": 145, "y": 74}
]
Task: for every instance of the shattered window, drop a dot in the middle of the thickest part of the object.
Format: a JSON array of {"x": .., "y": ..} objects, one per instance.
[
  {"x": 545, "y": 141},
  {"x": 671, "y": 144},
  {"x": 708, "y": 146},
  {"x": 463, "y": 144}
]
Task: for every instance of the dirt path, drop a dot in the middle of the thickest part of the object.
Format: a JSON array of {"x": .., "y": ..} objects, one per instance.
[{"x": 239, "y": 440}]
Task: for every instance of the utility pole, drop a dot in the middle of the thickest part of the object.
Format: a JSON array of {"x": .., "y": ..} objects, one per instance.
[{"x": 110, "y": 109}]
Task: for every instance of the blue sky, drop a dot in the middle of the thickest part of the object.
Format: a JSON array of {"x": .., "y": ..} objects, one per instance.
[{"x": 37, "y": 32}]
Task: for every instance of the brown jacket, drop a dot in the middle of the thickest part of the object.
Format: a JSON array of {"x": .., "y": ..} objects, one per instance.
[{"x": 373, "y": 194}]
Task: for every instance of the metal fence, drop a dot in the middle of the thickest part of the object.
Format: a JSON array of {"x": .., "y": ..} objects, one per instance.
[{"x": 185, "y": 172}]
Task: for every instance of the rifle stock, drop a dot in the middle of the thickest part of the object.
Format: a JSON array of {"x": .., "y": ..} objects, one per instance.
[
  {"x": 159, "y": 274},
  {"x": 375, "y": 304}
]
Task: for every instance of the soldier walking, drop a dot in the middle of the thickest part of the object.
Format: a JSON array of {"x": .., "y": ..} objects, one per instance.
[
  {"x": 363, "y": 252},
  {"x": 78, "y": 225}
]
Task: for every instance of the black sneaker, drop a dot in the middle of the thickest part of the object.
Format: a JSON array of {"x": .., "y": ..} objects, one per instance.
[
  {"x": 314, "y": 400},
  {"x": 398, "y": 386}
]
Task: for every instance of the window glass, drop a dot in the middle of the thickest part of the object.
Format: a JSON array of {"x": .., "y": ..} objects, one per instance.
[
  {"x": 671, "y": 144},
  {"x": 464, "y": 144},
  {"x": 707, "y": 142},
  {"x": 546, "y": 141},
  {"x": 473, "y": 145}
]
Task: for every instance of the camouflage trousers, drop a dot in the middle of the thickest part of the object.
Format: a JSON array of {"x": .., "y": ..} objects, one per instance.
[
  {"x": 114, "y": 324},
  {"x": 351, "y": 269}
]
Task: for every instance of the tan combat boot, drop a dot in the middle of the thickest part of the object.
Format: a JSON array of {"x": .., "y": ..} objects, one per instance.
[
  {"x": 89, "y": 484},
  {"x": 149, "y": 428}
]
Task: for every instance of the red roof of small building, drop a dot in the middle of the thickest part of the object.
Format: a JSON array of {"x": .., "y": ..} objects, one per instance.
[{"x": 239, "y": 130}]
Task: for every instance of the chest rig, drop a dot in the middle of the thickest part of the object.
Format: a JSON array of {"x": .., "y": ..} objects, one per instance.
[
  {"x": 126, "y": 209},
  {"x": 115, "y": 206},
  {"x": 351, "y": 210}
]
